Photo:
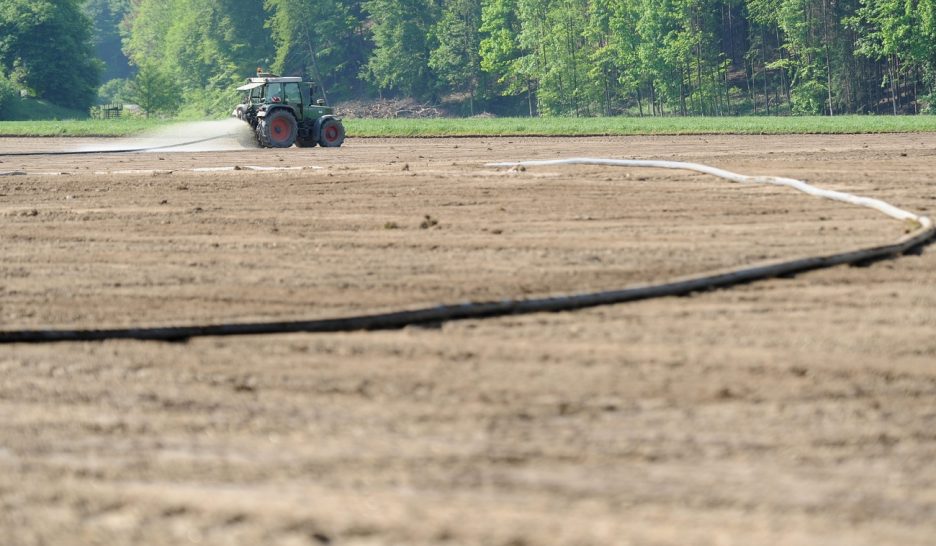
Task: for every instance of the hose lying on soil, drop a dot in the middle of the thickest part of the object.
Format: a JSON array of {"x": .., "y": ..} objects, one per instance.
[
  {"x": 123, "y": 151},
  {"x": 922, "y": 232}
]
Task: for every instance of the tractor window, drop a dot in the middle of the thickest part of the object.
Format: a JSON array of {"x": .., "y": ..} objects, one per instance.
[
  {"x": 313, "y": 93},
  {"x": 291, "y": 93}
]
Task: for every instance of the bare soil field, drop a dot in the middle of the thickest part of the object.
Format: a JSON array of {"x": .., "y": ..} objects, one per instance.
[{"x": 792, "y": 411}]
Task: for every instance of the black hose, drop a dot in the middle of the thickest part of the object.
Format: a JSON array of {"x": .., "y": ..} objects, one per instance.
[
  {"x": 125, "y": 151},
  {"x": 479, "y": 310}
]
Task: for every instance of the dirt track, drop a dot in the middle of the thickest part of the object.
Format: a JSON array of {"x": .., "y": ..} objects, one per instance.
[{"x": 792, "y": 411}]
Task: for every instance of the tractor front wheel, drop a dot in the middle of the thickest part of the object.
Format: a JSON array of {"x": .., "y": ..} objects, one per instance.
[
  {"x": 278, "y": 129},
  {"x": 331, "y": 134}
]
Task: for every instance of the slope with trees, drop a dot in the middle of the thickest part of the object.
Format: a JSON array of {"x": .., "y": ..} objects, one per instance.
[{"x": 540, "y": 57}]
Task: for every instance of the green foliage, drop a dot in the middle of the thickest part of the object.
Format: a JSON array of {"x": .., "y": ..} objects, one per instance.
[
  {"x": 927, "y": 104},
  {"x": 115, "y": 91},
  {"x": 153, "y": 90},
  {"x": 457, "y": 59},
  {"x": 500, "y": 49},
  {"x": 808, "y": 97},
  {"x": 902, "y": 33},
  {"x": 46, "y": 46},
  {"x": 204, "y": 47},
  {"x": 402, "y": 44},
  {"x": 319, "y": 38},
  {"x": 546, "y": 57},
  {"x": 8, "y": 94}
]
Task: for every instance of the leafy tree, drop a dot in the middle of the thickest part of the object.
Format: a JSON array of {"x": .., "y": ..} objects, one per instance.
[
  {"x": 321, "y": 38},
  {"x": 802, "y": 24},
  {"x": 612, "y": 69},
  {"x": 661, "y": 50},
  {"x": 563, "y": 84},
  {"x": 900, "y": 33},
  {"x": 152, "y": 90},
  {"x": 502, "y": 55},
  {"x": 207, "y": 47},
  {"x": 924, "y": 49},
  {"x": 401, "y": 33},
  {"x": 46, "y": 46},
  {"x": 457, "y": 58}
]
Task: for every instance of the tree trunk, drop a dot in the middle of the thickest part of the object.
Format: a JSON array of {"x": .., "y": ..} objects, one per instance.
[
  {"x": 893, "y": 82},
  {"x": 699, "y": 78},
  {"x": 829, "y": 79},
  {"x": 315, "y": 68},
  {"x": 639, "y": 101},
  {"x": 764, "y": 63},
  {"x": 727, "y": 86},
  {"x": 685, "y": 76},
  {"x": 716, "y": 96},
  {"x": 750, "y": 85},
  {"x": 783, "y": 83},
  {"x": 731, "y": 51},
  {"x": 682, "y": 93},
  {"x": 653, "y": 105}
]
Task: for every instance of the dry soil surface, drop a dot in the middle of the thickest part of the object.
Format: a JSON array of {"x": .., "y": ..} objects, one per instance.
[{"x": 790, "y": 411}]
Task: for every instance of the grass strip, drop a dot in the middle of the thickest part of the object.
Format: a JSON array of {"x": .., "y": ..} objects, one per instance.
[
  {"x": 554, "y": 127},
  {"x": 749, "y": 125},
  {"x": 79, "y": 128}
]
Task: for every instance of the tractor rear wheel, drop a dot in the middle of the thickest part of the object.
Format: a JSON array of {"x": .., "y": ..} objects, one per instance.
[
  {"x": 331, "y": 134},
  {"x": 278, "y": 129}
]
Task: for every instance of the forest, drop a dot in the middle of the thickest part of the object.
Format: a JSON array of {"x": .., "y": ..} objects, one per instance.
[{"x": 504, "y": 57}]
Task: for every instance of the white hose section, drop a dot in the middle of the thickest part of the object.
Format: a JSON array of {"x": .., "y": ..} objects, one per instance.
[{"x": 876, "y": 204}]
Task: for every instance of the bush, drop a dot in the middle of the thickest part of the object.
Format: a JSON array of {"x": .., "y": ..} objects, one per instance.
[
  {"x": 809, "y": 98},
  {"x": 113, "y": 92},
  {"x": 927, "y": 103}
]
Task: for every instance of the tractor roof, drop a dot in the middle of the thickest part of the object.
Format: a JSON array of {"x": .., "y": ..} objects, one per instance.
[{"x": 257, "y": 82}]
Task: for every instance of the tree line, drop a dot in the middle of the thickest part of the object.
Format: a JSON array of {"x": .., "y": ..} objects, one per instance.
[{"x": 519, "y": 57}]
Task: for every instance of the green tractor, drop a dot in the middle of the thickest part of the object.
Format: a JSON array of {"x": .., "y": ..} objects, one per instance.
[{"x": 281, "y": 112}]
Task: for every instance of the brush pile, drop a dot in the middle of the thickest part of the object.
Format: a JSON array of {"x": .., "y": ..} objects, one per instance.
[{"x": 389, "y": 108}]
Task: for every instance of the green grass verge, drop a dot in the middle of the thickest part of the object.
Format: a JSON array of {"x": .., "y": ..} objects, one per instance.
[
  {"x": 749, "y": 125},
  {"x": 30, "y": 109},
  {"x": 474, "y": 127},
  {"x": 78, "y": 128}
]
